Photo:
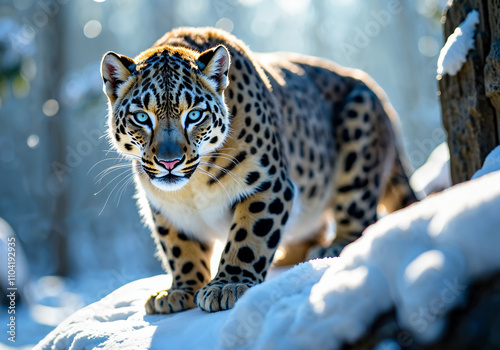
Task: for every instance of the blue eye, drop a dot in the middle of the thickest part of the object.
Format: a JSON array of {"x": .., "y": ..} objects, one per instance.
[
  {"x": 193, "y": 116},
  {"x": 142, "y": 118}
]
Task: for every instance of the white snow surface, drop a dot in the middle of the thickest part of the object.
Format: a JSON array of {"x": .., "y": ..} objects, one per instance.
[
  {"x": 454, "y": 52},
  {"x": 491, "y": 163},
  {"x": 118, "y": 321},
  {"x": 434, "y": 175},
  {"x": 418, "y": 260}
]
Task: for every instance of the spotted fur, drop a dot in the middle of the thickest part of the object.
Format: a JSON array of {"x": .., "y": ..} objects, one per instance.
[{"x": 279, "y": 141}]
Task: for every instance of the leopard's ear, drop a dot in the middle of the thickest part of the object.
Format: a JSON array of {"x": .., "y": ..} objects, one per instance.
[
  {"x": 214, "y": 64},
  {"x": 115, "y": 69}
]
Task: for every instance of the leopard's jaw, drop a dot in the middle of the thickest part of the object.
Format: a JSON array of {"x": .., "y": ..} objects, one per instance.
[{"x": 171, "y": 184}]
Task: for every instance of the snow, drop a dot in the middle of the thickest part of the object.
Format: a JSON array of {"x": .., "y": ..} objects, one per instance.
[
  {"x": 434, "y": 175},
  {"x": 454, "y": 52},
  {"x": 116, "y": 321},
  {"x": 418, "y": 261},
  {"x": 491, "y": 163}
]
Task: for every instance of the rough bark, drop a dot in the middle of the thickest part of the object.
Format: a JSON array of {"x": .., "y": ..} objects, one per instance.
[{"x": 470, "y": 100}]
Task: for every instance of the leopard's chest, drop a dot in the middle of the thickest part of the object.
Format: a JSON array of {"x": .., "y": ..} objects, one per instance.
[{"x": 197, "y": 210}]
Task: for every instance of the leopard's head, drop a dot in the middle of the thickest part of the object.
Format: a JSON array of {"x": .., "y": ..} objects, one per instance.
[{"x": 166, "y": 109}]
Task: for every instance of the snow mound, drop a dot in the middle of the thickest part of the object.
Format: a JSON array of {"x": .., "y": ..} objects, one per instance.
[
  {"x": 118, "y": 321},
  {"x": 418, "y": 261},
  {"x": 434, "y": 175},
  {"x": 491, "y": 163},
  {"x": 454, "y": 52}
]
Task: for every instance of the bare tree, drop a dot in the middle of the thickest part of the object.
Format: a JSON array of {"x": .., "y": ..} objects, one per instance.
[{"x": 53, "y": 36}]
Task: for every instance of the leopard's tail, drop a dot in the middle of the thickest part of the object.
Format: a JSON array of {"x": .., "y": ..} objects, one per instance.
[{"x": 398, "y": 192}]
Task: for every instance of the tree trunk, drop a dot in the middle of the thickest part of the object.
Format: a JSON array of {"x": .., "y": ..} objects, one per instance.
[
  {"x": 470, "y": 100},
  {"x": 52, "y": 36}
]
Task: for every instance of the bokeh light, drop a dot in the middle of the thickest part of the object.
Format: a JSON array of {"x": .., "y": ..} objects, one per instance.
[
  {"x": 92, "y": 29},
  {"x": 225, "y": 24},
  {"x": 33, "y": 141},
  {"x": 428, "y": 46},
  {"x": 28, "y": 68},
  {"x": 50, "y": 107},
  {"x": 20, "y": 86}
]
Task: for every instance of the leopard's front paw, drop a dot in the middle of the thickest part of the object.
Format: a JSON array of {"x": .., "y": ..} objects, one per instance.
[
  {"x": 218, "y": 296},
  {"x": 325, "y": 252},
  {"x": 169, "y": 301}
]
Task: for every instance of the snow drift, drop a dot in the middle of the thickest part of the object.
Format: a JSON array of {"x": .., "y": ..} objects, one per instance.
[
  {"x": 434, "y": 175},
  {"x": 418, "y": 260}
]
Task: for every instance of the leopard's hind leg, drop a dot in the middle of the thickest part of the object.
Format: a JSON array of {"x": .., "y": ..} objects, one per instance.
[
  {"x": 296, "y": 252},
  {"x": 365, "y": 153},
  {"x": 398, "y": 193}
]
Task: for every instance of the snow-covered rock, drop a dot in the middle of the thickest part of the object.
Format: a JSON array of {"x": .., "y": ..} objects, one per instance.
[
  {"x": 434, "y": 175},
  {"x": 454, "y": 52},
  {"x": 418, "y": 261},
  {"x": 118, "y": 321}
]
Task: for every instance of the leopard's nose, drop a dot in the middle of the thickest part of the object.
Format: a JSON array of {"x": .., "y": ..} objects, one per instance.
[{"x": 169, "y": 164}]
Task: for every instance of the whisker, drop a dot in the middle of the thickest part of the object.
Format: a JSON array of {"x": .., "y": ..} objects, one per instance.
[
  {"x": 222, "y": 149},
  {"x": 122, "y": 154},
  {"x": 218, "y": 153},
  {"x": 224, "y": 156},
  {"x": 216, "y": 179},
  {"x": 110, "y": 193},
  {"x": 224, "y": 170},
  {"x": 198, "y": 181},
  {"x": 110, "y": 170},
  {"x": 103, "y": 160},
  {"x": 102, "y": 189},
  {"x": 122, "y": 188}
]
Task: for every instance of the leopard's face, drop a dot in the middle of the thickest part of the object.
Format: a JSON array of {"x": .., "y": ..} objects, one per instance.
[{"x": 167, "y": 110}]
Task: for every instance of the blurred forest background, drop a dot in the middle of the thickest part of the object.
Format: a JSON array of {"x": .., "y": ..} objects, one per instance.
[{"x": 82, "y": 237}]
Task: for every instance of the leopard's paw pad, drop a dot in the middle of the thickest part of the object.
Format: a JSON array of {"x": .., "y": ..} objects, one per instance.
[
  {"x": 169, "y": 301},
  {"x": 331, "y": 251},
  {"x": 218, "y": 296}
]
